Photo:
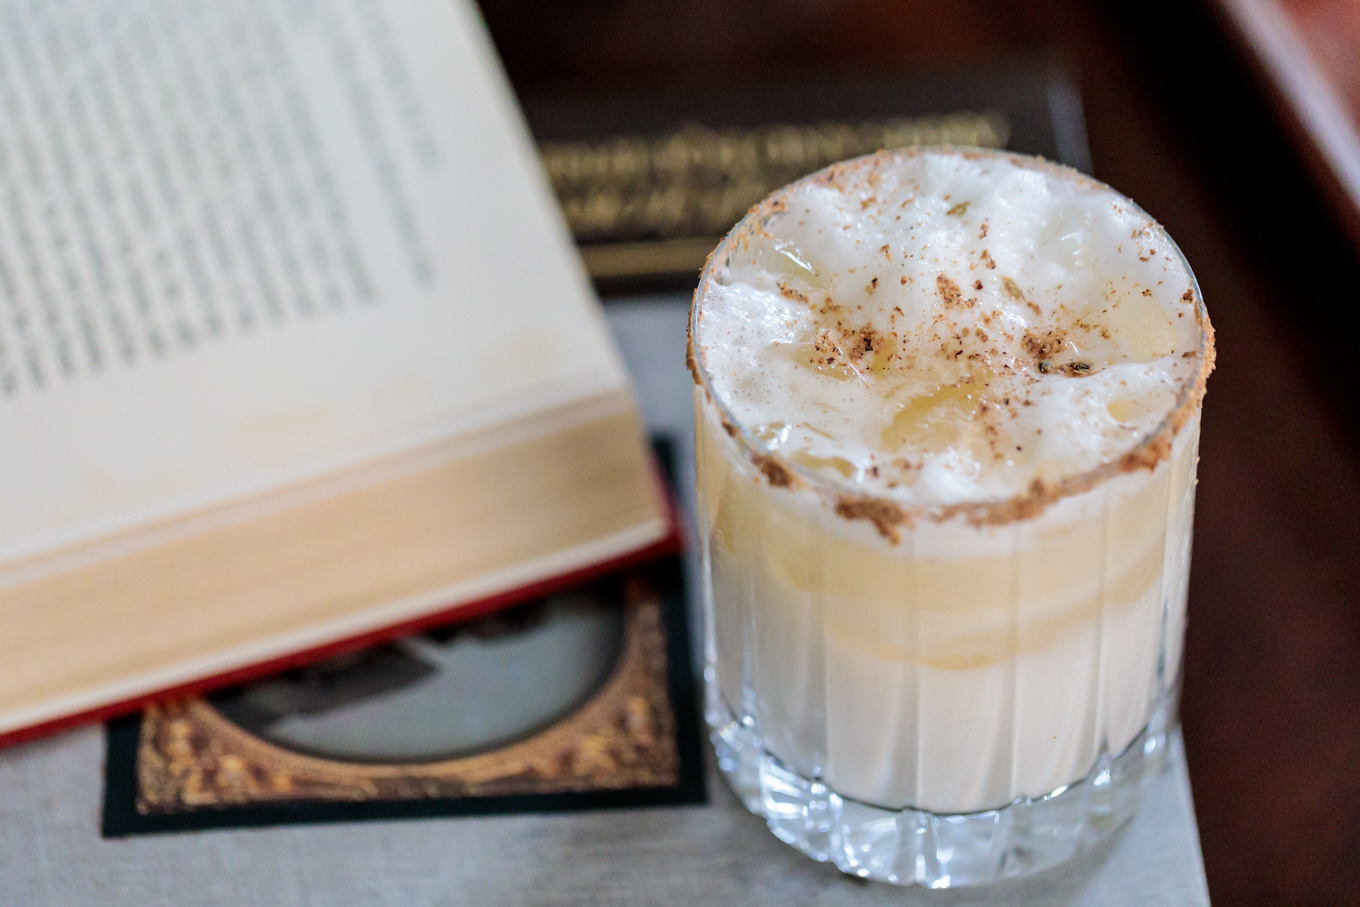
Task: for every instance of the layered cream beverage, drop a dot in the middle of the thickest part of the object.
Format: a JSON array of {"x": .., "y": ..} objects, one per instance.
[{"x": 948, "y": 409}]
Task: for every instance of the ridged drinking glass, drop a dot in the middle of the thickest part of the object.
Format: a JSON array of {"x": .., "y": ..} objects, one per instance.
[{"x": 951, "y": 701}]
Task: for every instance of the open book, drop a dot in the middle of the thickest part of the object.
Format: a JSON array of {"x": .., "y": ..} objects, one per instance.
[{"x": 294, "y": 347}]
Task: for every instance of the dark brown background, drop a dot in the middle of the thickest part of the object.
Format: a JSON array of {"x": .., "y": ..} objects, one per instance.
[{"x": 1179, "y": 121}]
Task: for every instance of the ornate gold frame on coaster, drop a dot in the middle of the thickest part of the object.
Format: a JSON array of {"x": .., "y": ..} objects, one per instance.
[{"x": 634, "y": 741}]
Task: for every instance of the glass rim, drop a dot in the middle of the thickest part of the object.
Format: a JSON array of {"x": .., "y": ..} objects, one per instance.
[{"x": 890, "y": 514}]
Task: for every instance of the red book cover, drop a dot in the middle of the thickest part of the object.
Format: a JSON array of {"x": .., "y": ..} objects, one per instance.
[{"x": 1309, "y": 51}]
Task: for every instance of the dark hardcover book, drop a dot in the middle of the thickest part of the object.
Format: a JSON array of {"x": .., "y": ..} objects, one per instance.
[{"x": 650, "y": 182}]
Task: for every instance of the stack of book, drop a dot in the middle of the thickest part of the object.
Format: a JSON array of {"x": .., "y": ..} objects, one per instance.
[{"x": 302, "y": 371}]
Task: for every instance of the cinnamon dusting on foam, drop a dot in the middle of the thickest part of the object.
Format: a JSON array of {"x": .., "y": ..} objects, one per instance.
[{"x": 933, "y": 404}]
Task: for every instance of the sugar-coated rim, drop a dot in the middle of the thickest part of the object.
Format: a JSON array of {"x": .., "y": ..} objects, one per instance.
[{"x": 889, "y": 514}]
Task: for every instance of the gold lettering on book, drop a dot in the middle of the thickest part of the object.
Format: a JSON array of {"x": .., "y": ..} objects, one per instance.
[{"x": 696, "y": 181}]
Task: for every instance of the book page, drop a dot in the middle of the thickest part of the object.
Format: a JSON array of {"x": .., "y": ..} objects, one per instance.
[{"x": 242, "y": 244}]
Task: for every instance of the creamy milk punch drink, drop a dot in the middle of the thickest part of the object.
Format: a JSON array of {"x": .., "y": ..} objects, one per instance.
[{"x": 948, "y": 409}]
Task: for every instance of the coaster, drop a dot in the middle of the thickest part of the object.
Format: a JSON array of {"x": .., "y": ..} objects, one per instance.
[
  {"x": 448, "y": 723},
  {"x": 584, "y": 699}
]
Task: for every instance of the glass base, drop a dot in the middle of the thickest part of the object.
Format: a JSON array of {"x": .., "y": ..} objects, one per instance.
[{"x": 913, "y": 847}]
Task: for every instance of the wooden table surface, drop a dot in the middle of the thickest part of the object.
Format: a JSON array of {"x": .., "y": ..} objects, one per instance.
[{"x": 1178, "y": 121}]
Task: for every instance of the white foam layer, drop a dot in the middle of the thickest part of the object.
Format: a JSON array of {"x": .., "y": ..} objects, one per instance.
[{"x": 943, "y": 327}]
